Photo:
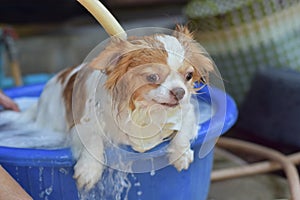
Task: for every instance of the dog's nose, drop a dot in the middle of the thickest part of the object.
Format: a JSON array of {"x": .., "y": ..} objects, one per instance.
[{"x": 178, "y": 93}]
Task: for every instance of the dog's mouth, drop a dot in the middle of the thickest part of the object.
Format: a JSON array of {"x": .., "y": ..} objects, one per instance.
[{"x": 170, "y": 104}]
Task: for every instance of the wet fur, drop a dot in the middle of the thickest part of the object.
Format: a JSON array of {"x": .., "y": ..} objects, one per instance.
[{"x": 119, "y": 58}]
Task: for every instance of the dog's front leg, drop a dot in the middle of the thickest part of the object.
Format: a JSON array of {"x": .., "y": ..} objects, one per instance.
[
  {"x": 180, "y": 152},
  {"x": 88, "y": 150}
]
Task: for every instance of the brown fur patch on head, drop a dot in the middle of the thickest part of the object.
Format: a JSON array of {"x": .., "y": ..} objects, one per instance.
[
  {"x": 120, "y": 57},
  {"x": 108, "y": 58},
  {"x": 133, "y": 59},
  {"x": 142, "y": 86},
  {"x": 118, "y": 61},
  {"x": 133, "y": 84},
  {"x": 195, "y": 55}
]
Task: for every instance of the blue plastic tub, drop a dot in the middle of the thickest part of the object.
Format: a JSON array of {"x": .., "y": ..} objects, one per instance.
[
  {"x": 31, "y": 79},
  {"x": 47, "y": 174}
]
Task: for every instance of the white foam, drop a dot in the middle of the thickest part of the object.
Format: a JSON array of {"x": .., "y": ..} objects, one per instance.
[{"x": 14, "y": 133}]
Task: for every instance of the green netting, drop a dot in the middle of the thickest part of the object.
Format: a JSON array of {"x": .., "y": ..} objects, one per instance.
[{"x": 243, "y": 36}]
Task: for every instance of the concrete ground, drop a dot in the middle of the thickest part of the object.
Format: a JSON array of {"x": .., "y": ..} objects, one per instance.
[{"x": 258, "y": 187}]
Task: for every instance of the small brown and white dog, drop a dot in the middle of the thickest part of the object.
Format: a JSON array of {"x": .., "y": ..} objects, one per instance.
[{"x": 144, "y": 97}]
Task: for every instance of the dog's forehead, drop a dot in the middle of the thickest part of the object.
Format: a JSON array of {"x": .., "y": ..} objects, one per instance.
[{"x": 175, "y": 50}]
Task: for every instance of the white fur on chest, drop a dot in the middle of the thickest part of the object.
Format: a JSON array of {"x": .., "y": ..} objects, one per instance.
[{"x": 147, "y": 128}]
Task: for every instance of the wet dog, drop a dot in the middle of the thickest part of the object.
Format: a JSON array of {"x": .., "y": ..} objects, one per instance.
[{"x": 143, "y": 99}]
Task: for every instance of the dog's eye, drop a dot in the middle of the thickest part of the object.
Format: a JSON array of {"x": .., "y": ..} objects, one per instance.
[
  {"x": 189, "y": 76},
  {"x": 152, "y": 78}
]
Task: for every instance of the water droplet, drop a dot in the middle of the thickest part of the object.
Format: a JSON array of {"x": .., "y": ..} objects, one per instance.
[
  {"x": 98, "y": 105},
  {"x": 49, "y": 190},
  {"x": 17, "y": 171},
  {"x": 133, "y": 176},
  {"x": 85, "y": 119},
  {"x": 152, "y": 172},
  {"x": 63, "y": 171},
  {"x": 137, "y": 184},
  {"x": 41, "y": 170},
  {"x": 139, "y": 193},
  {"x": 41, "y": 195}
]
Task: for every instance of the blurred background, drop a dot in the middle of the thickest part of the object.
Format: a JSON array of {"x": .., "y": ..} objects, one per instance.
[
  {"x": 254, "y": 43},
  {"x": 52, "y": 35}
]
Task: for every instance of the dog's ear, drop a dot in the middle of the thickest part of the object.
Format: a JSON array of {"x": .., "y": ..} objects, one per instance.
[
  {"x": 203, "y": 66},
  {"x": 195, "y": 54},
  {"x": 182, "y": 32},
  {"x": 107, "y": 60}
]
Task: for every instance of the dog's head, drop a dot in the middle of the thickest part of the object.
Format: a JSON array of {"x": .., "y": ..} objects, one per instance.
[{"x": 157, "y": 69}]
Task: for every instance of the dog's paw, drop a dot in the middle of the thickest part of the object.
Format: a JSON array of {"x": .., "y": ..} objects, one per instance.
[
  {"x": 87, "y": 174},
  {"x": 184, "y": 161}
]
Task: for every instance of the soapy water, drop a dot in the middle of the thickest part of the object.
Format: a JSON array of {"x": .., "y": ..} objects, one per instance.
[
  {"x": 126, "y": 181},
  {"x": 15, "y": 133},
  {"x": 115, "y": 185},
  {"x": 119, "y": 186}
]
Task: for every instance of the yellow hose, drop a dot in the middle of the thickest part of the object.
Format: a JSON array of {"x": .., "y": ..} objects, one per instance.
[{"x": 104, "y": 17}]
